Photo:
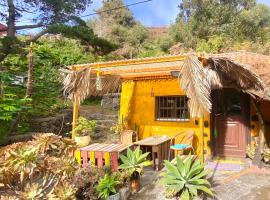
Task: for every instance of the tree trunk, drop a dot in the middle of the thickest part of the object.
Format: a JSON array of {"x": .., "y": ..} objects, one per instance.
[
  {"x": 257, "y": 160},
  {"x": 29, "y": 86},
  {"x": 29, "y": 89},
  {"x": 11, "y": 19}
]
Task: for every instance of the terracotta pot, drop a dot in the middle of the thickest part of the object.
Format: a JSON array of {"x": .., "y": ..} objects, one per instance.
[
  {"x": 134, "y": 185},
  {"x": 82, "y": 141}
]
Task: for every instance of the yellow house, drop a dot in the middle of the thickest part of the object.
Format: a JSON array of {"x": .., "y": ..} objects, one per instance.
[{"x": 156, "y": 101}]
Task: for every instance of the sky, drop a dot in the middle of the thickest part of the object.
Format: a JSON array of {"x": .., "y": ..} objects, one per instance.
[
  {"x": 152, "y": 14},
  {"x": 155, "y": 12}
]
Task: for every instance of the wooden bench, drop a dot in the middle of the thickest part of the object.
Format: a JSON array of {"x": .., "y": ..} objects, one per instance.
[{"x": 101, "y": 155}]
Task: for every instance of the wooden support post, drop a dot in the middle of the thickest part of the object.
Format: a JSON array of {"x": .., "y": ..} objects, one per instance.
[
  {"x": 75, "y": 117},
  {"x": 201, "y": 136}
]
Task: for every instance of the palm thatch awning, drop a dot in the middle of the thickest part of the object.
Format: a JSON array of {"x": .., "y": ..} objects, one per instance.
[{"x": 245, "y": 71}]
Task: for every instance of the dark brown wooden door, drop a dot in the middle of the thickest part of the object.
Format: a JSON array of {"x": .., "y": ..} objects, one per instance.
[{"x": 230, "y": 123}]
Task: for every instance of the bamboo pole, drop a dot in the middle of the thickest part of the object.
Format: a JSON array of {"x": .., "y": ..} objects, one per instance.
[
  {"x": 75, "y": 116},
  {"x": 29, "y": 85},
  {"x": 257, "y": 160}
]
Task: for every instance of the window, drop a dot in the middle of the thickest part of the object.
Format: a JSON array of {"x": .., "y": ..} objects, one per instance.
[{"x": 172, "y": 108}]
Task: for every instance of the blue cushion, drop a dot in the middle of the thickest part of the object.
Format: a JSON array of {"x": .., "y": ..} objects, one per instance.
[{"x": 180, "y": 146}]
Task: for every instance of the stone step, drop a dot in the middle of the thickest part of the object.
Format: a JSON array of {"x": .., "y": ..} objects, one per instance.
[{"x": 98, "y": 116}]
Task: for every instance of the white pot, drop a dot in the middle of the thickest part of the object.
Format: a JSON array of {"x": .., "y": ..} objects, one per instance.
[{"x": 82, "y": 141}]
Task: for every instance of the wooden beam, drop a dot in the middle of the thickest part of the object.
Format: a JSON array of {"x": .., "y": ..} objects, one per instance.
[
  {"x": 76, "y": 107},
  {"x": 130, "y": 62}
]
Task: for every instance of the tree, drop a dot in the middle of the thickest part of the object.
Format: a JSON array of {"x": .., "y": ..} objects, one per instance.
[
  {"x": 61, "y": 16},
  {"x": 45, "y": 13},
  {"x": 116, "y": 23},
  {"x": 234, "y": 21}
]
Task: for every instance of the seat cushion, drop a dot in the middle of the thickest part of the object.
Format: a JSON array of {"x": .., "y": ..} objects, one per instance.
[{"x": 180, "y": 146}]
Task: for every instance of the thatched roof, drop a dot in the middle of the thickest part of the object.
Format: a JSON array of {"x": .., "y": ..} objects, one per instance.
[{"x": 78, "y": 82}]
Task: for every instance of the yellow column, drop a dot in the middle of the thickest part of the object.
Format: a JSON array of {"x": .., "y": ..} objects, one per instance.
[
  {"x": 76, "y": 107},
  {"x": 202, "y": 137}
]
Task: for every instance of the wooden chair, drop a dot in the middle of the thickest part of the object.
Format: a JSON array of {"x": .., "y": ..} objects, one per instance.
[
  {"x": 184, "y": 143},
  {"x": 128, "y": 137}
]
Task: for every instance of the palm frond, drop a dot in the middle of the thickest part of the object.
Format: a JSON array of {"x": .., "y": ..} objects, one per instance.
[
  {"x": 236, "y": 75},
  {"x": 198, "y": 80},
  {"x": 197, "y": 86},
  {"x": 80, "y": 84}
]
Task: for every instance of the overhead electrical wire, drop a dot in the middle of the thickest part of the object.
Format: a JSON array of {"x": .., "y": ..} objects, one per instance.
[{"x": 116, "y": 8}]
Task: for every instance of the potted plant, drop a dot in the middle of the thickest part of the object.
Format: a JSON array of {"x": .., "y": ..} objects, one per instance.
[
  {"x": 187, "y": 179},
  {"x": 83, "y": 131},
  {"x": 107, "y": 187},
  {"x": 134, "y": 163}
]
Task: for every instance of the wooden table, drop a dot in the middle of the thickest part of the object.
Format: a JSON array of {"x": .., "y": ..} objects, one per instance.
[
  {"x": 159, "y": 146},
  {"x": 101, "y": 154}
]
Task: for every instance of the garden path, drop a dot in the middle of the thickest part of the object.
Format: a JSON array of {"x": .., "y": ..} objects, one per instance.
[{"x": 246, "y": 184}]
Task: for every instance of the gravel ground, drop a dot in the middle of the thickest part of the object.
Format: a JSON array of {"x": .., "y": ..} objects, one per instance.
[{"x": 227, "y": 186}]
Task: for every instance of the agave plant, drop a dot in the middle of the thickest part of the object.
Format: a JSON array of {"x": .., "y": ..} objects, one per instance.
[
  {"x": 107, "y": 186},
  {"x": 135, "y": 161},
  {"x": 187, "y": 179},
  {"x": 63, "y": 191}
]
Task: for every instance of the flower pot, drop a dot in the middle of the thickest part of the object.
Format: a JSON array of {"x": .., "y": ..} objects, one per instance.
[
  {"x": 82, "y": 141},
  {"x": 134, "y": 185},
  {"x": 114, "y": 196}
]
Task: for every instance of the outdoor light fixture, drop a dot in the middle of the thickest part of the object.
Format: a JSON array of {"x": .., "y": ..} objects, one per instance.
[
  {"x": 175, "y": 73},
  {"x": 98, "y": 82}
]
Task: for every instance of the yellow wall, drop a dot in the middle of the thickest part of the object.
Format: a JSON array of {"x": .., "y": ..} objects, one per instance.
[{"x": 142, "y": 111}]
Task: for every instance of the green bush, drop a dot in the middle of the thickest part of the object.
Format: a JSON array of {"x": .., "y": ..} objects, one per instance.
[
  {"x": 85, "y": 127},
  {"x": 107, "y": 186}
]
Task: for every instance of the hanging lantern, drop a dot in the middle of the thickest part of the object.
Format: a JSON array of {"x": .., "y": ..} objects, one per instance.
[{"x": 98, "y": 82}]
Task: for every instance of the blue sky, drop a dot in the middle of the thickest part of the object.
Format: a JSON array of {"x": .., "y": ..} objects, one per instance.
[{"x": 155, "y": 12}]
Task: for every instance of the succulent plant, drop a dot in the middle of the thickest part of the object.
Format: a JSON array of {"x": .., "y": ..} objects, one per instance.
[{"x": 186, "y": 179}]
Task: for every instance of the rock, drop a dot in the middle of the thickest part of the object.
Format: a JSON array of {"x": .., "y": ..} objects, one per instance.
[
  {"x": 124, "y": 193},
  {"x": 111, "y": 101}
]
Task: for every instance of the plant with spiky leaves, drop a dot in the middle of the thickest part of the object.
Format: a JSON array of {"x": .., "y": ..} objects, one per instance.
[
  {"x": 134, "y": 162},
  {"x": 187, "y": 179}
]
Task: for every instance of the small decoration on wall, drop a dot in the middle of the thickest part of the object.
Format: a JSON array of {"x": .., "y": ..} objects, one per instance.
[{"x": 152, "y": 92}]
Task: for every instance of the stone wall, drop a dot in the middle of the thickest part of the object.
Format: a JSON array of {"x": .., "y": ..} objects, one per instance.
[
  {"x": 59, "y": 124},
  {"x": 111, "y": 101}
]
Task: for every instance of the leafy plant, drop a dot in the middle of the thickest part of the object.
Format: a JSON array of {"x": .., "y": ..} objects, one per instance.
[
  {"x": 186, "y": 178},
  {"x": 107, "y": 186},
  {"x": 85, "y": 127},
  {"x": 116, "y": 129},
  {"x": 87, "y": 186},
  {"x": 250, "y": 150},
  {"x": 39, "y": 167},
  {"x": 266, "y": 154},
  {"x": 134, "y": 162},
  {"x": 63, "y": 191}
]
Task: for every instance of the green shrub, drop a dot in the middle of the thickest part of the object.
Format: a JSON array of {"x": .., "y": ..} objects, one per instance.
[
  {"x": 85, "y": 127},
  {"x": 107, "y": 186},
  {"x": 186, "y": 179}
]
